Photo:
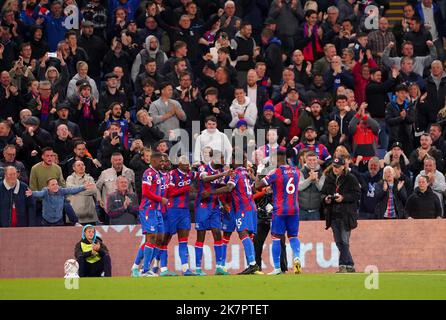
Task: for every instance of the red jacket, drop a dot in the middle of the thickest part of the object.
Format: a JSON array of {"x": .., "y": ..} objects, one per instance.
[
  {"x": 360, "y": 81},
  {"x": 284, "y": 110}
]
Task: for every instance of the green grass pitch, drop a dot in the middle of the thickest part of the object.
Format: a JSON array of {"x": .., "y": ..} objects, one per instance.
[{"x": 419, "y": 285}]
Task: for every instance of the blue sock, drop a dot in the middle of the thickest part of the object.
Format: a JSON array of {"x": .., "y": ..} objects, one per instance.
[
  {"x": 183, "y": 251},
  {"x": 276, "y": 253},
  {"x": 148, "y": 254},
  {"x": 198, "y": 254},
  {"x": 156, "y": 254},
  {"x": 139, "y": 255},
  {"x": 249, "y": 250},
  {"x": 163, "y": 256},
  {"x": 224, "y": 248},
  {"x": 295, "y": 246},
  {"x": 218, "y": 252}
]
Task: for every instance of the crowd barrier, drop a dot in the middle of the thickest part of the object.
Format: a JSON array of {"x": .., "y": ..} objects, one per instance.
[{"x": 398, "y": 245}]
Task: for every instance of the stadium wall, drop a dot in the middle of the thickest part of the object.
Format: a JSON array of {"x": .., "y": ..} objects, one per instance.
[{"x": 399, "y": 245}]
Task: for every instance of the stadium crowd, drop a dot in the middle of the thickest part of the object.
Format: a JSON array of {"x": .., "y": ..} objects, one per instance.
[{"x": 90, "y": 89}]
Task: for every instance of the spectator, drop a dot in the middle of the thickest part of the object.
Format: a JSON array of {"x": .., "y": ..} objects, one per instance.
[
  {"x": 391, "y": 196},
  {"x": 53, "y": 23},
  {"x": 243, "y": 109},
  {"x": 214, "y": 107},
  {"x": 435, "y": 131},
  {"x": 10, "y": 99},
  {"x": 122, "y": 205},
  {"x": 111, "y": 95},
  {"x": 310, "y": 37},
  {"x": 229, "y": 21},
  {"x": 331, "y": 25},
  {"x": 323, "y": 65},
  {"x": 288, "y": 111},
  {"x": 53, "y": 198},
  {"x": 337, "y": 75},
  {"x": 379, "y": 39},
  {"x": 341, "y": 193},
  {"x": 116, "y": 114},
  {"x": 369, "y": 183},
  {"x": 407, "y": 50},
  {"x": 280, "y": 91},
  {"x": 63, "y": 113},
  {"x": 346, "y": 36},
  {"x": 310, "y": 144},
  {"x": 82, "y": 74},
  {"x": 333, "y": 138},
  {"x": 318, "y": 91},
  {"x": 81, "y": 154},
  {"x": 146, "y": 130},
  {"x": 273, "y": 55},
  {"x": 166, "y": 112},
  {"x": 35, "y": 139},
  {"x": 364, "y": 132},
  {"x": 94, "y": 47},
  {"x": 180, "y": 49},
  {"x": 224, "y": 86},
  {"x": 58, "y": 79},
  {"x": 113, "y": 142},
  {"x": 86, "y": 111},
  {"x": 76, "y": 54},
  {"x": 376, "y": 96},
  {"x": 148, "y": 96},
  {"x": 423, "y": 203},
  {"x": 83, "y": 203},
  {"x": 213, "y": 138},
  {"x": 348, "y": 9},
  {"x": 435, "y": 85},
  {"x": 310, "y": 186},
  {"x": 17, "y": 209},
  {"x": 342, "y": 115},
  {"x": 418, "y": 36},
  {"x": 106, "y": 183},
  {"x": 244, "y": 46},
  {"x": 436, "y": 179},
  {"x": 63, "y": 144},
  {"x": 180, "y": 67},
  {"x": 396, "y": 155},
  {"x": 9, "y": 159},
  {"x": 301, "y": 68},
  {"x": 426, "y": 149},
  {"x": 92, "y": 255},
  {"x": 150, "y": 71},
  {"x": 152, "y": 50},
  {"x": 41, "y": 172},
  {"x": 265, "y": 152},
  {"x": 407, "y": 75},
  {"x": 361, "y": 75},
  {"x": 140, "y": 163},
  {"x": 288, "y": 15},
  {"x": 117, "y": 57},
  {"x": 267, "y": 122},
  {"x": 400, "y": 117},
  {"x": 433, "y": 21},
  {"x": 256, "y": 94}
]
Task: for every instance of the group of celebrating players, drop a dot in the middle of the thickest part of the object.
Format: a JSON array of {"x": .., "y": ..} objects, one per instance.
[{"x": 224, "y": 203}]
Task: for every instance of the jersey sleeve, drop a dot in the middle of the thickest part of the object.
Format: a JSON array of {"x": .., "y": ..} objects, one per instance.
[
  {"x": 147, "y": 178},
  {"x": 270, "y": 178},
  {"x": 325, "y": 154}
]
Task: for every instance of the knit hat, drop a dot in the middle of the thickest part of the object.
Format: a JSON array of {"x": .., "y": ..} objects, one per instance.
[
  {"x": 268, "y": 105},
  {"x": 242, "y": 122}
]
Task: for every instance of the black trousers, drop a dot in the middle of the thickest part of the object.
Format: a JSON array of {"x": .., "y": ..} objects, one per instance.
[
  {"x": 95, "y": 269},
  {"x": 259, "y": 239}
]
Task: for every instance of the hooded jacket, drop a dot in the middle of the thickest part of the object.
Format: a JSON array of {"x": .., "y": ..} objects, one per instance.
[
  {"x": 83, "y": 249},
  {"x": 145, "y": 54},
  {"x": 216, "y": 140},
  {"x": 248, "y": 108}
]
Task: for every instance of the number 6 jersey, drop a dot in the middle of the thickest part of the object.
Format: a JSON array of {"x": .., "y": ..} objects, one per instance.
[{"x": 284, "y": 181}]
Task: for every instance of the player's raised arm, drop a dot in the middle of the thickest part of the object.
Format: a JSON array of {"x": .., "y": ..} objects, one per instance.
[
  {"x": 206, "y": 178},
  {"x": 226, "y": 189}
]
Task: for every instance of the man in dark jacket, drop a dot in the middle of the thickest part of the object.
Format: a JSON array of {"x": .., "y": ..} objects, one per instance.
[
  {"x": 418, "y": 35},
  {"x": 273, "y": 56},
  {"x": 215, "y": 107},
  {"x": 436, "y": 92},
  {"x": 18, "y": 210},
  {"x": 79, "y": 150},
  {"x": 268, "y": 121},
  {"x": 341, "y": 193},
  {"x": 400, "y": 116},
  {"x": 111, "y": 94},
  {"x": 377, "y": 98},
  {"x": 423, "y": 203},
  {"x": 92, "y": 254},
  {"x": 369, "y": 181},
  {"x": 245, "y": 45}
]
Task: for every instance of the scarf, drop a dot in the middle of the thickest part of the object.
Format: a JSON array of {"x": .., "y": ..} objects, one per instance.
[
  {"x": 307, "y": 51},
  {"x": 86, "y": 111}
]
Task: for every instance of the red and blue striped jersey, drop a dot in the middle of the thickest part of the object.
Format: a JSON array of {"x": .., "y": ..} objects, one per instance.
[
  {"x": 284, "y": 181},
  {"x": 212, "y": 201},
  {"x": 165, "y": 177},
  {"x": 242, "y": 194},
  {"x": 180, "y": 179},
  {"x": 155, "y": 183},
  {"x": 318, "y": 148}
]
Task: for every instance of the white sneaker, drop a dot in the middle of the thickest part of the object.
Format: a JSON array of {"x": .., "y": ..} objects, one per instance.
[
  {"x": 275, "y": 272},
  {"x": 149, "y": 274},
  {"x": 135, "y": 273}
]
